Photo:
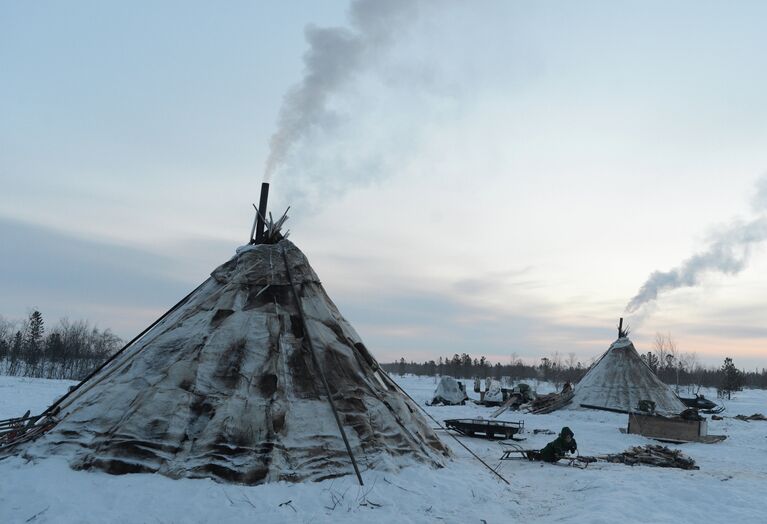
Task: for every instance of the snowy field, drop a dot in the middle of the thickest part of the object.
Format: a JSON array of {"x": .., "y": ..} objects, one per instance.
[{"x": 731, "y": 485}]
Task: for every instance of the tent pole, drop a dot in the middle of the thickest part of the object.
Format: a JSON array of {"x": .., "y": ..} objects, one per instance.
[{"x": 318, "y": 367}]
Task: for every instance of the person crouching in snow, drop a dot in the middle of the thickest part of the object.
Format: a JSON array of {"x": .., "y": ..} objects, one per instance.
[{"x": 557, "y": 448}]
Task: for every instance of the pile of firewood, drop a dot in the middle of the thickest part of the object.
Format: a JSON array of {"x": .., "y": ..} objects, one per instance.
[
  {"x": 548, "y": 403},
  {"x": 653, "y": 455}
]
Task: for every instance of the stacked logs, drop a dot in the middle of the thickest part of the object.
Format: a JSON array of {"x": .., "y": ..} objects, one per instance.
[
  {"x": 653, "y": 455},
  {"x": 548, "y": 403}
]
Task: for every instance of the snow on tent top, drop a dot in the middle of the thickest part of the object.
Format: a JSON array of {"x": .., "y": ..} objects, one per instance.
[
  {"x": 226, "y": 387},
  {"x": 620, "y": 379}
]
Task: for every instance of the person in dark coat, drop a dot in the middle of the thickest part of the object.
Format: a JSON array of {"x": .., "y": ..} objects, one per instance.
[{"x": 557, "y": 448}]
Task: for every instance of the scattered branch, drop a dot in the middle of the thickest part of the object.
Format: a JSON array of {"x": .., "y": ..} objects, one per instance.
[{"x": 33, "y": 517}]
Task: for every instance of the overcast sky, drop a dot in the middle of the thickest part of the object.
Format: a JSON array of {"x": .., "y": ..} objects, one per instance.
[{"x": 500, "y": 177}]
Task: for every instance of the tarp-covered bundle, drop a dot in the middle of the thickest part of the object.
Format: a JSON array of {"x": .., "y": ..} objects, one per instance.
[
  {"x": 226, "y": 387},
  {"x": 449, "y": 392},
  {"x": 494, "y": 394},
  {"x": 620, "y": 379}
]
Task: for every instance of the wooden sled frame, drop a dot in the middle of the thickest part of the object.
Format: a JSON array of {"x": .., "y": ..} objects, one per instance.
[
  {"x": 489, "y": 429},
  {"x": 516, "y": 452}
]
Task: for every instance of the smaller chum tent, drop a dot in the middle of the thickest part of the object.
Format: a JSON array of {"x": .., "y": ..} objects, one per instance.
[{"x": 620, "y": 379}]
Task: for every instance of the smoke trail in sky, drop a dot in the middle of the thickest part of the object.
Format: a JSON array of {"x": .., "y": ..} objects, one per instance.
[
  {"x": 728, "y": 252},
  {"x": 335, "y": 56}
]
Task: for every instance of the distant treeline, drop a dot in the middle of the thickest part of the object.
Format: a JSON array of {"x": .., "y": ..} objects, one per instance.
[
  {"x": 72, "y": 350},
  {"x": 670, "y": 365},
  {"x": 69, "y": 350}
]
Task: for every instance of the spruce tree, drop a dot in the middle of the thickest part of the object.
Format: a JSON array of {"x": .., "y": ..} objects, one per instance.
[
  {"x": 35, "y": 329},
  {"x": 732, "y": 378},
  {"x": 33, "y": 343}
]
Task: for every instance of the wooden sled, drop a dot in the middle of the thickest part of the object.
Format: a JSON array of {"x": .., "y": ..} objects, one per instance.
[
  {"x": 516, "y": 452},
  {"x": 24, "y": 428},
  {"x": 490, "y": 429}
]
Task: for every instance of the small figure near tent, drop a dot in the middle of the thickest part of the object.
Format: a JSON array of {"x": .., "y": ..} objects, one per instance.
[{"x": 557, "y": 448}]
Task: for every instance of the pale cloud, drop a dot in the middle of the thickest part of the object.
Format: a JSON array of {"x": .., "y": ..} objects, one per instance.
[
  {"x": 67, "y": 276},
  {"x": 502, "y": 178}
]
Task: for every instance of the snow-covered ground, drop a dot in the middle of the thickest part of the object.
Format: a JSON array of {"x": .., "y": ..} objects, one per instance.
[{"x": 731, "y": 485}]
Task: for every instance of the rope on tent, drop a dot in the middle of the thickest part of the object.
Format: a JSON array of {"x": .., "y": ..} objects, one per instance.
[
  {"x": 121, "y": 351},
  {"x": 382, "y": 370},
  {"x": 318, "y": 367},
  {"x": 39, "y": 424},
  {"x": 373, "y": 391}
]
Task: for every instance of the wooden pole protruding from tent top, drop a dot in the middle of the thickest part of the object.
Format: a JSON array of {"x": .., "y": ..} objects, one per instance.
[{"x": 620, "y": 327}]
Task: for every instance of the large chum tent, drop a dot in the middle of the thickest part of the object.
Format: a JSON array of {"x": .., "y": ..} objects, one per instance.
[
  {"x": 232, "y": 384},
  {"x": 620, "y": 379}
]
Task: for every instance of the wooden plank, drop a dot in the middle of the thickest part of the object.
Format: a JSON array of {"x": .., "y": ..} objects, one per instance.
[
  {"x": 711, "y": 439},
  {"x": 676, "y": 429}
]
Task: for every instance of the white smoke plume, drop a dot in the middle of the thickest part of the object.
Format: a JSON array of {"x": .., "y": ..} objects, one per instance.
[
  {"x": 728, "y": 252},
  {"x": 335, "y": 56}
]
